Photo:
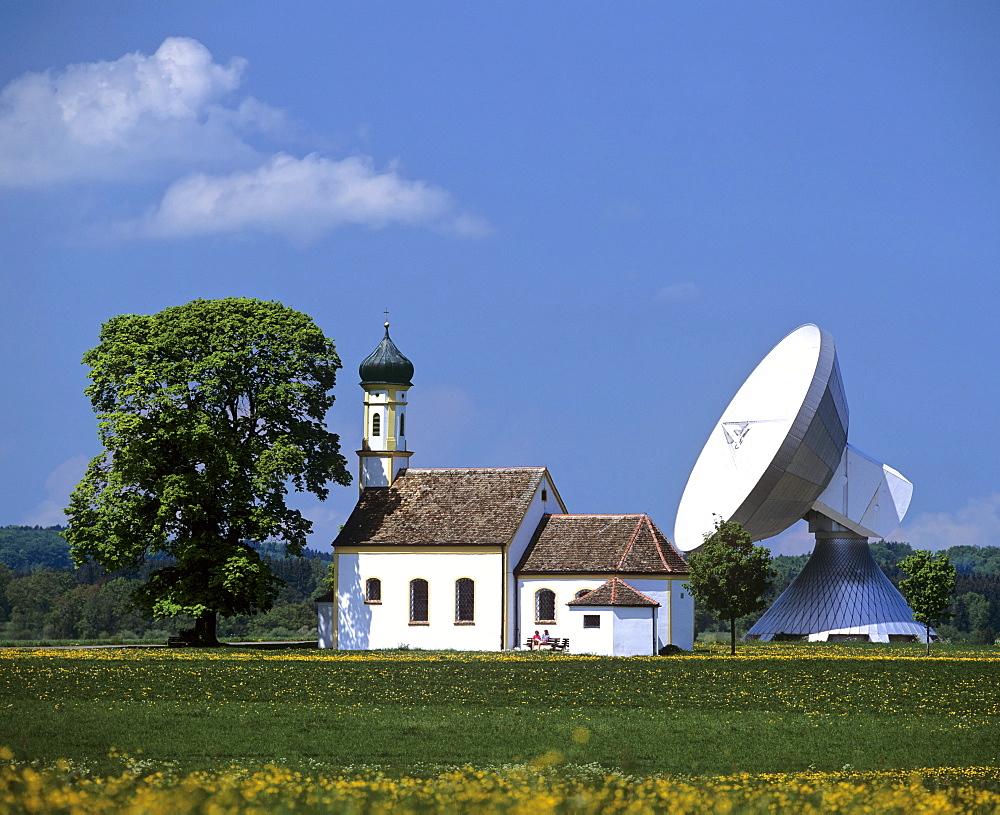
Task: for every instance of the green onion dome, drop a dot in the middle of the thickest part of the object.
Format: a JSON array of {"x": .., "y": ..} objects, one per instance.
[{"x": 385, "y": 365}]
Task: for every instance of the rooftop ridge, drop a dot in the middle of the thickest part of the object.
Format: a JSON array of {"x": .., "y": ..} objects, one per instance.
[
  {"x": 477, "y": 469},
  {"x": 628, "y": 546},
  {"x": 621, "y": 593},
  {"x": 656, "y": 541},
  {"x": 599, "y": 515}
]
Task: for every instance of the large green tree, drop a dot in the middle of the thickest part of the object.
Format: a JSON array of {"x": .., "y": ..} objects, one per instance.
[
  {"x": 209, "y": 413},
  {"x": 928, "y": 588},
  {"x": 729, "y": 575}
]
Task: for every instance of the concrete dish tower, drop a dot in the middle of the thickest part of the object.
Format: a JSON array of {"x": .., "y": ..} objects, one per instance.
[{"x": 780, "y": 454}]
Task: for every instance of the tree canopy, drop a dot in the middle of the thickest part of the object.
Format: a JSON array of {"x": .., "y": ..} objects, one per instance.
[
  {"x": 928, "y": 588},
  {"x": 729, "y": 575},
  {"x": 209, "y": 413}
]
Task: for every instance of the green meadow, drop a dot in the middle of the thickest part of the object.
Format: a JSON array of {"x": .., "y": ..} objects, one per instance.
[{"x": 775, "y": 708}]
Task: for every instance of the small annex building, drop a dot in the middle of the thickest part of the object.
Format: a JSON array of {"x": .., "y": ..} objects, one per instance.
[{"x": 479, "y": 558}]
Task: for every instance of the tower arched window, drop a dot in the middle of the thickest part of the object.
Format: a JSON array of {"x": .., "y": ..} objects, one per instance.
[
  {"x": 465, "y": 600},
  {"x": 418, "y": 601},
  {"x": 545, "y": 606},
  {"x": 373, "y": 590},
  {"x": 402, "y": 424},
  {"x": 376, "y": 424}
]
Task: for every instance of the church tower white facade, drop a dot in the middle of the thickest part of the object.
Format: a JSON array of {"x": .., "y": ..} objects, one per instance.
[{"x": 385, "y": 377}]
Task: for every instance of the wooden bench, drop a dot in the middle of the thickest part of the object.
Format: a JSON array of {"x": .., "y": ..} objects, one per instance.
[{"x": 555, "y": 644}]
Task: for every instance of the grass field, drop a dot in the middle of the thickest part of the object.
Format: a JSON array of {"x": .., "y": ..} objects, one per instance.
[{"x": 884, "y": 711}]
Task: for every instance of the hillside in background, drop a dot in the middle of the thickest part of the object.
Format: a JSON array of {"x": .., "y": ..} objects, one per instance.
[
  {"x": 43, "y": 597},
  {"x": 976, "y": 605}
]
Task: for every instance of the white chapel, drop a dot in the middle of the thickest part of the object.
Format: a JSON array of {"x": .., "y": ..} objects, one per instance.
[{"x": 478, "y": 559}]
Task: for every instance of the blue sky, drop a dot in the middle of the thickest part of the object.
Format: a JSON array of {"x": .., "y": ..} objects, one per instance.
[{"x": 588, "y": 222}]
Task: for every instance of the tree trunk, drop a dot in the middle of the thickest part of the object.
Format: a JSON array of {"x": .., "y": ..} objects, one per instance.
[
  {"x": 204, "y": 629},
  {"x": 732, "y": 637},
  {"x": 928, "y": 638}
]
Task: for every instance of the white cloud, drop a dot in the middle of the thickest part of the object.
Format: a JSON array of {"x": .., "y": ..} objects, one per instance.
[
  {"x": 975, "y": 524},
  {"x": 172, "y": 114},
  {"x": 115, "y": 120},
  {"x": 301, "y": 199},
  {"x": 679, "y": 292},
  {"x": 58, "y": 485}
]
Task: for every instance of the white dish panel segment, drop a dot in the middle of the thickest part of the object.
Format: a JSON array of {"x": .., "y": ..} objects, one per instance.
[{"x": 866, "y": 496}]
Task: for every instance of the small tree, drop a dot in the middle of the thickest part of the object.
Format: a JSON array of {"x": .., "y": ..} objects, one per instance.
[
  {"x": 729, "y": 575},
  {"x": 929, "y": 587}
]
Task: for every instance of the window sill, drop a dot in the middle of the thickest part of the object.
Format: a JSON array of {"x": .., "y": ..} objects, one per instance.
[
  {"x": 465, "y": 622},
  {"x": 545, "y": 622},
  {"x": 373, "y": 602},
  {"x": 420, "y": 622}
]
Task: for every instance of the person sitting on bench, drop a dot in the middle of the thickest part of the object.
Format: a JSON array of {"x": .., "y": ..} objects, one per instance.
[{"x": 535, "y": 643}]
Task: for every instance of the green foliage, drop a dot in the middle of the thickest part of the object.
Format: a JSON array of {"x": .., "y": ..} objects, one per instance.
[
  {"x": 208, "y": 413},
  {"x": 5, "y": 578},
  {"x": 89, "y": 604},
  {"x": 975, "y": 620},
  {"x": 729, "y": 575},
  {"x": 26, "y": 548},
  {"x": 887, "y": 555},
  {"x": 929, "y": 587}
]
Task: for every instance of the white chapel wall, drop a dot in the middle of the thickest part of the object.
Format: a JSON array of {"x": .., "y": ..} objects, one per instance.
[
  {"x": 324, "y": 612},
  {"x": 600, "y": 640},
  {"x": 514, "y": 633},
  {"x": 565, "y": 588},
  {"x": 364, "y": 625},
  {"x": 675, "y": 616},
  {"x": 634, "y": 635}
]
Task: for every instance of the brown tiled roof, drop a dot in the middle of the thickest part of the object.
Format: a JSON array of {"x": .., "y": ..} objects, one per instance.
[
  {"x": 614, "y": 592},
  {"x": 448, "y": 507},
  {"x": 602, "y": 544}
]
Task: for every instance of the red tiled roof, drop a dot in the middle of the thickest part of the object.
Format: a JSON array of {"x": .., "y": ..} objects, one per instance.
[
  {"x": 608, "y": 544},
  {"x": 444, "y": 507},
  {"x": 614, "y": 592}
]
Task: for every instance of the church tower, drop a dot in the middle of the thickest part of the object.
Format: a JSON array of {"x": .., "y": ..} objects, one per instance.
[{"x": 385, "y": 377}]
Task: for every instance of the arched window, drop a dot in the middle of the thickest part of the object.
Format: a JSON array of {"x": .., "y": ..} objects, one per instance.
[
  {"x": 402, "y": 424},
  {"x": 418, "y": 601},
  {"x": 376, "y": 424},
  {"x": 545, "y": 495},
  {"x": 465, "y": 600},
  {"x": 580, "y": 593},
  {"x": 373, "y": 590},
  {"x": 545, "y": 606}
]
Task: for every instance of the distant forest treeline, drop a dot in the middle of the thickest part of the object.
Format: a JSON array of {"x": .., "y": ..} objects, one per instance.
[
  {"x": 975, "y": 607},
  {"x": 43, "y": 597}
]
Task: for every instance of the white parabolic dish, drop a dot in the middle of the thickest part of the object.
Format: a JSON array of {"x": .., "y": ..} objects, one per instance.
[{"x": 775, "y": 448}]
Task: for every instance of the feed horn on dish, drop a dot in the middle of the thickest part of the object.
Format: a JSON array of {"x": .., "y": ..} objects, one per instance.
[{"x": 780, "y": 454}]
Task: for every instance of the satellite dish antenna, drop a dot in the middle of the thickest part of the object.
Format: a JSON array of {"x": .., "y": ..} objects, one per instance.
[{"x": 779, "y": 454}]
